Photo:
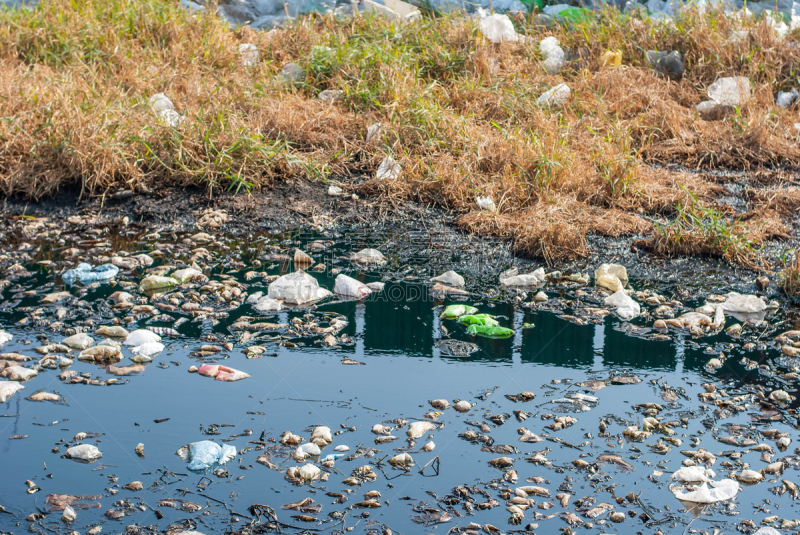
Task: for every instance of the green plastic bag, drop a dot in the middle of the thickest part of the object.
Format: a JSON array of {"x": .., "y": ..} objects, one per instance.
[
  {"x": 454, "y": 311},
  {"x": 479, "y": 319},
  {"x": 575, "y": 15},
  {"x": 490, "y": 331}
]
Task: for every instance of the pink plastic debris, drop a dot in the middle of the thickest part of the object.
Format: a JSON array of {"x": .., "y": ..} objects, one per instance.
[{"x": 222, "y": 373}]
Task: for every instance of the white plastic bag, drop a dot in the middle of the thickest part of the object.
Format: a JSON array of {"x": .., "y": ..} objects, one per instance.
[
  {"x": 322, "y": 433},
  {"x": 368, "y": 256},
  {"x": 8, "y": 389},
  {"x": 731, "y": 91},
  {"x": 155, "y": 282},
  {"x": 164, "y": 109},
  {"x": 374, "y": 132},
  {"x": 554, "y": 57},
  {"x": 625, "y": 307},
  {"x": 556, "y": 96},
  {"x": 724, "y": 489},
  {"x": 736, "y": 303},
  {"x": 140, "y": 337},
  {"x": 19, "y": 373},
  {"x": 350, "y": 287},
  {"x": 85, "y": 273},
  {"x": 787, "y": 98},
  {"x": 267, "y": 304},
  {"x": 205, "y": 454},
  {"x": 185, "y": 275},
  {"x": 148, "y": 349},
  {"x": 388, "y": 169},
  {"x": 418, "y": 429},
  {"x": 249, "y": 54},
  {"x": 297, "y": 288},
  {"x": 84, "y": 452},
  {"x": 451, "y": 278},
  {"x": 611, "y": 276},
  {"x": 309, "y": 472},
  {"x": 693, "y": 474},
  {"x": 486, "y": 203},
  {"x": 78, "y": 341},
  {"x": 511, "y": 278},
  {"x": 498, "y": 28}
]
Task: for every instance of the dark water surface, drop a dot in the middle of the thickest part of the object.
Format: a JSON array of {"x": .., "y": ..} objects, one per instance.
[{"x": 395, "y": 336}]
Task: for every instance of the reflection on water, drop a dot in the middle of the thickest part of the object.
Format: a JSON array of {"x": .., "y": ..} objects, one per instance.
[{"x": 394, "y": 334}]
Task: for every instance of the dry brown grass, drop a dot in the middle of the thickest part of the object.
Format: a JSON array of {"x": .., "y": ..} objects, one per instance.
[
  {"x": 458, "y": 113},
  {"x": 791, "y": 275}
]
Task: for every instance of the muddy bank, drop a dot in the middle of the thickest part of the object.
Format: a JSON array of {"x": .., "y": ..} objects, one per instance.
[{"x": 415, "y": 230}]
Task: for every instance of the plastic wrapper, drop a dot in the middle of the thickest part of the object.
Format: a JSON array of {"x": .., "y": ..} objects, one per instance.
[
  {"x": 86, "y": 273},
  {"x": 140, "y": 337},
  {"x": 205, "y": 454},
  {"x": 350, "y": 287},
  {"x": 625, "y": 307},
  {"x": 498, "y": 28},
  {"x": 511, "y": 278},
  {"x": 8, "y": 389},
  {"x": 297, "y": 289},
  {"x": 718, "y": 491}
]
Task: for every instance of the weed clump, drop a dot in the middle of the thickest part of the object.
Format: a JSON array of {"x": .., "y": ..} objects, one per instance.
[
  {"x": 701, "y": 230},
  {"x": 791, "y": 275}
]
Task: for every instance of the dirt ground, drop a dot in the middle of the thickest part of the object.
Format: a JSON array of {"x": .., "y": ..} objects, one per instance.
[{"x": 301, "y": 204}]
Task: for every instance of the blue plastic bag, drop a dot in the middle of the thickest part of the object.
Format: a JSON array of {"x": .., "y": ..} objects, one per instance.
[
  {"x": 205, "y": 454},
  {"x": 86, "y": 273}
]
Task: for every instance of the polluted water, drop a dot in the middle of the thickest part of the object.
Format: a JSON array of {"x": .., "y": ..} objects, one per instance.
[{"x": 380, "y": 389}]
